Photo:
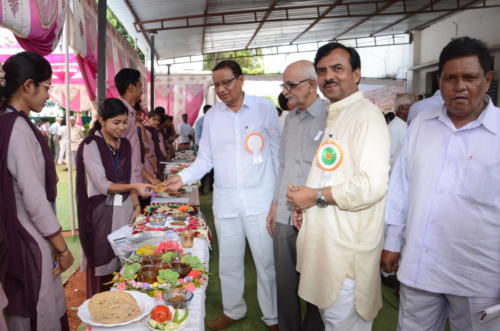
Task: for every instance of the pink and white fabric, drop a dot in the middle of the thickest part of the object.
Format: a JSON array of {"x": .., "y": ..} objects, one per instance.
[
  {"x": 37, "y": 24},
  {"x": 181, "y": 94},
  {"x": 119, "y": 53}
]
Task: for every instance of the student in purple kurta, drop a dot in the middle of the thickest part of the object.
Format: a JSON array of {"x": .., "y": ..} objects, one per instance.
[
  {"x": 106, "y": 199},
  {"x": 36, "y": 253},
  {"x": 156, "y": 145}
]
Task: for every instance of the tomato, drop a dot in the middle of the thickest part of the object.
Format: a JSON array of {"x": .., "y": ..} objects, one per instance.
[{"x": 161, "y": 314}]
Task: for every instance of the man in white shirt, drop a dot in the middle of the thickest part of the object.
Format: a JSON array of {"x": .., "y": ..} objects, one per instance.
[
  {"x": 240, "y": 140},
  {"x": 186, "y": 133},
  {"x": 444, "y": 201},
  {"x": 398, "y": 126},
  {"x": 418, "y": 107},
  {"x": 340, "y": 241},
  {"x": 54, "y": 136},
  {"x": 198, "y": 127}
]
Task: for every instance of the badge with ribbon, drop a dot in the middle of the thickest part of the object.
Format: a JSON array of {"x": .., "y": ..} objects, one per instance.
[
  {"x": 254, "y": 144},
  {"x": 329, "y": 156}
]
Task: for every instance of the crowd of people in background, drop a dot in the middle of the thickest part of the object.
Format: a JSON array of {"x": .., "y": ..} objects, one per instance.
[{"x": 327, "y": 197}]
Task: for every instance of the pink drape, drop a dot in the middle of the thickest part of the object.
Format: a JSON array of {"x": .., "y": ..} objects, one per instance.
[
  {"x": 36, "y": 23},
  {"x": 194, "y": 100}
]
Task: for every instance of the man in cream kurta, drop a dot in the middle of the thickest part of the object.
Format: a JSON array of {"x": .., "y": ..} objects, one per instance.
[{"x": 340, "y": 241}]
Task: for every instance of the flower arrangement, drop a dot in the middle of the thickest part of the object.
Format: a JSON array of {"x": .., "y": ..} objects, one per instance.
[{"x": 170, "y": 251}]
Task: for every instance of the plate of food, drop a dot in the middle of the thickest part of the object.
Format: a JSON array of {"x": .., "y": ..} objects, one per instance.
[
  {"x": 160, "y": 188},
  {"x": 167, "y": 318},
  {"x": 176, "y": 224},
  {"x": 114, "y": 308}
]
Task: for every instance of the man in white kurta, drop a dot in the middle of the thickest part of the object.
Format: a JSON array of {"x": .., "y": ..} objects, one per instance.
[
  {"x": 339, "y": 243},
  {"x": 240, "y": 141},
  {"x": 444, "y": 201}
]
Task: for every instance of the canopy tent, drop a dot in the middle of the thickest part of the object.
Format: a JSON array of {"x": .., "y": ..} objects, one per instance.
[{"x": 188, "y": 29}]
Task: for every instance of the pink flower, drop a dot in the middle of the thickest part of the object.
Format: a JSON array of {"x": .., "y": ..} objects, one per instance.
[
  {"x": 181, "y": 280},
  {"x": 194, "y": 274},
  {"x": 190, "y": 287},
  {"x": 158, "y": 296},
  {"x": 121, "y": 286},
  {"x": 168, "y": 246}
]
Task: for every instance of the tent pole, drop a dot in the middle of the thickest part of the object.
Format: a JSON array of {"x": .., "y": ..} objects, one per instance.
[
  {"x": 101, "y": 53},
  {"x": 152, "y": 83},
  {"x": 68, "y": 126}
]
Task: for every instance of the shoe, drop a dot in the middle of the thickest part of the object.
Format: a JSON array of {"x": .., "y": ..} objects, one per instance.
[
  {"x": 273, "y": 327},
  {"x": 221, "y": 322}
]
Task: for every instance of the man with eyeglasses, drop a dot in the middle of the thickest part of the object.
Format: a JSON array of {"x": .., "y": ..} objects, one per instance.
[
  {"x": 302, "y": 133},
  {"x": 240, "y": 140},
  {"x": 340, "y": 240}
]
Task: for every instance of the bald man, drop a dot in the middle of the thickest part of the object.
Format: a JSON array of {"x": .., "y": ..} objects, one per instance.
[{"x": 302, "y": 133}]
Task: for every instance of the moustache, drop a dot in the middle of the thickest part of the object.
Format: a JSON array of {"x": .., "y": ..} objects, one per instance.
[{"x": 331, "y": 81}]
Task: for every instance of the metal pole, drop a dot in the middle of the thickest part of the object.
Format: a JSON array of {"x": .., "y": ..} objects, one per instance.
[
  {"x": 101, "y": 53},
  {"x": 152, "y": 84},
  {"x": 68, "y": 126}
]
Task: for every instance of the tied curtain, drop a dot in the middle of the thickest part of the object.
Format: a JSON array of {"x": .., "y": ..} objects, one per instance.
[
  {"x": 181, "y": 94},
  {"x": 119, "y": 53},
  {"x": 37, "y": 24}
]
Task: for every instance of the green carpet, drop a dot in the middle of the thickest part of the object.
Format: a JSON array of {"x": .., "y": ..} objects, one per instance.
[
  {"x": 385, "y": 321},
  {"x": 63, "y": 201}
]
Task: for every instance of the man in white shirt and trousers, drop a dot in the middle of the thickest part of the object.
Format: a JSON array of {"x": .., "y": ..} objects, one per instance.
[
  {"x": 240, "y": 140},
  {"x": 444, "y": 200},
  {"x": 186, "y": 133}
]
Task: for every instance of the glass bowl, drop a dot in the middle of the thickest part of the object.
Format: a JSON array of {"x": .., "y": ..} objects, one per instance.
[{"x": 178, "y": 298}]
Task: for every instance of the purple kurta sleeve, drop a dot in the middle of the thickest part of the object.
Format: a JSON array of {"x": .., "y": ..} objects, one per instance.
[
  {"x": 96, "y": 176},
  {"x": 27, "y": 166}
]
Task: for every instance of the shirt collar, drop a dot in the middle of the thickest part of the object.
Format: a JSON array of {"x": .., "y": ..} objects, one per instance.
[
  {"x": 341, "y": 104},
  {"x": 488, "y": 117},
  {"x": 247, "y": 103},
  {"x": 314, "y": 109}
]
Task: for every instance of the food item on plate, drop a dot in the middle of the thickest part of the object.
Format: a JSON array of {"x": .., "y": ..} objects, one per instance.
[
  {"x": 178, "y": 223},
  {"x": 161, "y": 314},
  {"x": 167, "y": 318},
  {"x": 113, "y": 307},
  {"x": 160, "y": 188},
  {"x": 146, "y": 250},
  {"x": 177, "y": 298}
]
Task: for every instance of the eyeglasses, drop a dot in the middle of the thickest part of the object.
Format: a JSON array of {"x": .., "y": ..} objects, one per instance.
[
  {"x": 291, "y": 85},
  {"x": 224, "y": 83}
]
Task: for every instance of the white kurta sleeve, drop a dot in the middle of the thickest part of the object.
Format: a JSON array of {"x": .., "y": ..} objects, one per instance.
[{"x": 94, "y": 169}]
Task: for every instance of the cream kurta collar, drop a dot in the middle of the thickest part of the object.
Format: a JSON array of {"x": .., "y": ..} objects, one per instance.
[{"x": 344, "y": 103}]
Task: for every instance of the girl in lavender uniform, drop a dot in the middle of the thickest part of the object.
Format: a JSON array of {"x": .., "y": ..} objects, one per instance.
[
  {"x": 106, "y": 199},
  {"x": 36, "y": 253}
]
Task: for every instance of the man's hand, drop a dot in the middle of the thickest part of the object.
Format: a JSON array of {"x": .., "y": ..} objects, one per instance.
[
  {"x": 390, "y": 261},
  {"x": 173, "y": 183},
  {"x": 301, "y": 196},
  {"x": 271, "y": 218},
  {"x": 297, "y": 217}
]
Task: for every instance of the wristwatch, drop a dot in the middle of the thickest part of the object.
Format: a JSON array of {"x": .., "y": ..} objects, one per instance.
[{"x": 320, "y": 199}]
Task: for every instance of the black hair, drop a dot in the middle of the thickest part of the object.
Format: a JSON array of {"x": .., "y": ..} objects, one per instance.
[
  {"x": 168, "y": 117},
  {"x": 330, "y": 47},
  {"x": 111, "y": 108},
  {"x": 466, "y": 46},
  {"x": 154, "y": 113},
  {"x": 229, "y": 64},
  {"x": 19, "y": 68},
  {"x": 283, "y": 101},
  {"x": 279, "y": 110},
  {"x": 161, "y": 111},
  {"x": 185, "y": 115},
  {"x": 126, "y": 77},
  {"x": 206, "y": 108}
]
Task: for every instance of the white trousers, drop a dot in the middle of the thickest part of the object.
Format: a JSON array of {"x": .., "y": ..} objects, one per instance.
[
  {"x": 62, "y": 152},
  {"x": 231, "y": 234},
  {"x": 420, "y": 310},
  {"x": 342, "y": 315}
]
